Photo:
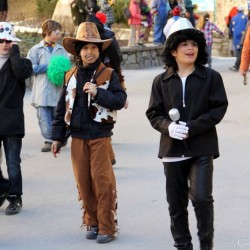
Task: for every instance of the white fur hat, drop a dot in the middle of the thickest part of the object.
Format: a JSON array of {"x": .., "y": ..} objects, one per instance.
[
  {"x": 7, "y": 32},
  {"x": 181, "y": 24}
]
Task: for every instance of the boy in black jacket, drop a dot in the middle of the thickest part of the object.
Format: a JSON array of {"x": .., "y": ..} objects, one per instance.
[
  {"x": 13, "y": 71},
  {"x": 187, "y": 101}
]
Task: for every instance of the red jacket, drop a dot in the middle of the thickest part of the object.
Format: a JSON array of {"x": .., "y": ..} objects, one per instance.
[{"x": 135, "y": 11}]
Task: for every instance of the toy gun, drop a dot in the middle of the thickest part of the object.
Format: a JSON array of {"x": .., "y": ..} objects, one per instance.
[{"x": 245, "y": 79}]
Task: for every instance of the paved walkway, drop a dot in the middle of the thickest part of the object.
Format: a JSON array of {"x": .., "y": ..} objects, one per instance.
[{"x": 51, "y": 215}]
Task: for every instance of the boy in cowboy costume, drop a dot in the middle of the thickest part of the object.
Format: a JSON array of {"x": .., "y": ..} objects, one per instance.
[
  {"x": 90, "y": 97},
  {"x": 189, "y": 140},
  {"x": 13, "y": 71}
]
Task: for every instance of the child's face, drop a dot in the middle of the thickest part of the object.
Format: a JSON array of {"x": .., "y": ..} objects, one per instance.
[
  {"x": 54, "y": 36},
  {"x": 89, "y": 53},
  {"x": 186, "y": 52},
  {"x": 5, "y": 47}
]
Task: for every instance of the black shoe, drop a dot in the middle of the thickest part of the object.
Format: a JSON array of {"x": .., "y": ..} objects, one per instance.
[
  {"x": 206, "y": 244},
  {"x": 92, "y": 233},
  {"x": 15, "y": 206},
  {"x": 104, "y": 238}
]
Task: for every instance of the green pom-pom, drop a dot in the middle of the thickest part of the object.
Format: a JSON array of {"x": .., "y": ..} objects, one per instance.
[{"x": 57, "y": 67}]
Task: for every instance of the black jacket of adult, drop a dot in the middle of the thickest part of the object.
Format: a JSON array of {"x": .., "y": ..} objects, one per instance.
[
  {"x": 82, "y": 126},
  {"x": 12, "y": 89},
  {"x": 113, "y": 52},
  {"x": 202, "y": 106}
]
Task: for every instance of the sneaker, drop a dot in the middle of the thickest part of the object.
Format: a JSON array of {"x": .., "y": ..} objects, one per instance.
[
  {"x": 14, "y": 207},
  {"x": 92, "y": 233},
  {"x": 234, "y": 69},
  {"x": 104, "y": 238},
  {"x": 46, "y": 147}
]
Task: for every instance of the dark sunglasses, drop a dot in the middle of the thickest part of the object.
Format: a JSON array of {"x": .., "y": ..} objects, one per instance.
[{"x": 7, "y": 41}]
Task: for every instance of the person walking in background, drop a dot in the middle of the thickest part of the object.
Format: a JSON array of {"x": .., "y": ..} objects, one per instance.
[
  {"x": 14, "y": 69},
  {"x": 173, "y": 3},
  {"x": 207, "y": 28},
  {"x": 237, "y": 28},
  {"x": 107, "y": 9},
  {"x": 190, "y": 11},
  {"x": 135, "y": 37},
  {"x": 187, "y": 101},
  {"x": 45, "y": 94},
  {"x": 148, "y": 23},
  {"x": 160, "y": 10},
  {"x": 245, "y": 54},
  {"x": 175, "y": 16},
  {"x": 233, "y": 11},
  {"x": 90, "y": 97},
  {"x": 112, "y": 58},
  {"x": 79, "y": 11},
  {"x": 3, "y": 10}
]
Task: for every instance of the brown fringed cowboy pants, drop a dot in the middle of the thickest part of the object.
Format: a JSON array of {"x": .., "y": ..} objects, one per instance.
[{"x": 96, "y": 182}]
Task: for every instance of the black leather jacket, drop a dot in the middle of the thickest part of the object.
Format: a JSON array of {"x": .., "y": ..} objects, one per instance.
[{"x": 202, "y": 106}]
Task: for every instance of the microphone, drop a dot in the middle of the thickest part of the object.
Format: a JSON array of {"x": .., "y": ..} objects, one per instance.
[{"x": 174, "y": 115}]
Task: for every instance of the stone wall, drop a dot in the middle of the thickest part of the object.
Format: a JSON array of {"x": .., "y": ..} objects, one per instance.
[{"x": 142, "y": 57}]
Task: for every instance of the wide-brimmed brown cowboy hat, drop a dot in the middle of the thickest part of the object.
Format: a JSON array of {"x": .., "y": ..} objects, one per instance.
[{"x": 86, "y": 32}]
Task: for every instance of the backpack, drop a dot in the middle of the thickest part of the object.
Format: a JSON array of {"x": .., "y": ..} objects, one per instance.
[{"x": 127, "y": 13}]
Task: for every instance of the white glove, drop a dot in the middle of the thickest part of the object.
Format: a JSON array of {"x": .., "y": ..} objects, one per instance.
[{"x": 178, "y": 131}]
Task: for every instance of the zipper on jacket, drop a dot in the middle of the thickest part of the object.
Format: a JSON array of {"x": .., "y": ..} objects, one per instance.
[
  {"x": 183, "y": 83},
  {"x": 183, "y": 102}
]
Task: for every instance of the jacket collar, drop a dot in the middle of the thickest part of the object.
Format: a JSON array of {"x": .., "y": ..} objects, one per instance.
[{"x": 199, "y": 71}]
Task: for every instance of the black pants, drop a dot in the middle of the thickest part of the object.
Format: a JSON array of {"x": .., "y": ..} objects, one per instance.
[{"x": 190, "y": 179}]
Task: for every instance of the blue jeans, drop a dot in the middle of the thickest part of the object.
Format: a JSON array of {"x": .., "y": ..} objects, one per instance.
[
  {"x": 12, "y": 147},
  {"x": 45, "y": 117},
  {"x": 238, "y": 58},
  {"x": 209, "y": 55},
  {"x": 159, "y": 23}
]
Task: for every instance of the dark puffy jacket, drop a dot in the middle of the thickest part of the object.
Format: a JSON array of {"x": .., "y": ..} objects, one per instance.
[
  {"x": 202, "y": 106},
  {"x": 12, "y": 90}
]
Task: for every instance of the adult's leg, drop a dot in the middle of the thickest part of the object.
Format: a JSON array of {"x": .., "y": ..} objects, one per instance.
[
  {"x": 177, "y": 197},
  {"x": 209, "y": 53},
  {"x": 201, "y": 175},
  {"x": 132, "y": 36},
  {"x": 238, "y": 58},
  {"x": 157, "y": 30}
]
